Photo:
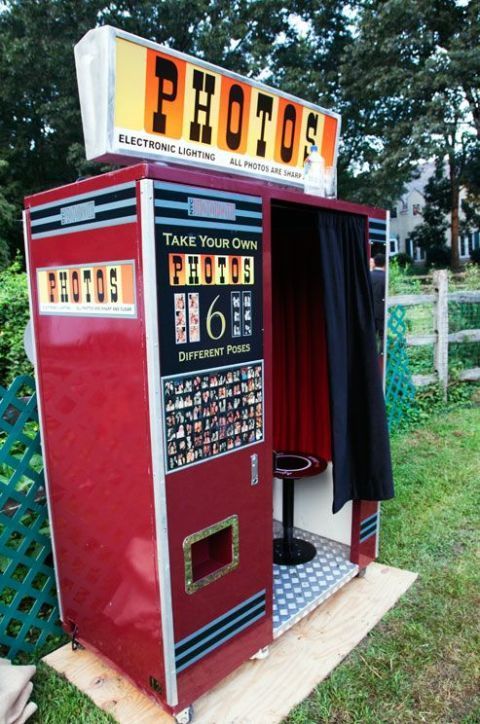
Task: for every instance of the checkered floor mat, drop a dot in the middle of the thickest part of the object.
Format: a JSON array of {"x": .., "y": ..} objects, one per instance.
[{"x": 297, "y": 590}]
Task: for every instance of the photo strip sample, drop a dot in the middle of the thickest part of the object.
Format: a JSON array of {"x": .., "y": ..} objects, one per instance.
[
  {"x": 182, "y": 313},
  {"x": 212, "y": 413},
  {"x": 241, "y": 308}
]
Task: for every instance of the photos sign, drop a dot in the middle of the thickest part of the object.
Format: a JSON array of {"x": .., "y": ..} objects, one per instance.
[{"x": 143, "y": 100}]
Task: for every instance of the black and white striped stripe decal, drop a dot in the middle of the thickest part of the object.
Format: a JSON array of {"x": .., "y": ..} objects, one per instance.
[
  {"x": 194, "y": 647},
  {"x": 92, "y": 210},
  {"x": 368, "y": 527},
  {"x": 377, "y": 231},
  {"x": 175, "y": 207}
]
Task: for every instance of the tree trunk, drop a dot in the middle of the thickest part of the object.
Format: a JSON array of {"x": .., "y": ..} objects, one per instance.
[{"x": 454, "y": 225}]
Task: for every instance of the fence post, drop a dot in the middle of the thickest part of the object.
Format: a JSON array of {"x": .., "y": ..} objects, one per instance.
[{"x": 440, "y": 285}]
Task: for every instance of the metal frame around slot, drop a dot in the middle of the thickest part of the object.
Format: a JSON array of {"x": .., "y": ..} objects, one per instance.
[{"x": 192, "y": 586}]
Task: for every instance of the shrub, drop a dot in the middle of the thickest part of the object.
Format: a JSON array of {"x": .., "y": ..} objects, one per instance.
[
  {"x": 403, "y": 260},
  {"x": 439, "y": 257},
  {"x": 399, "y": 279},
  {"x": 475, "y": 256},
  {"x": 14, "y": 314},
  {"x": 472, "y": 276}
]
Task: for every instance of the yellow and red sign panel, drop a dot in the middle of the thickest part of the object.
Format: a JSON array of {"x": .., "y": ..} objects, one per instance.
[
  {"x": 141, "y": 99},
  {"x": 94, "y": 290},
  {"x": 210, "y": 270}
]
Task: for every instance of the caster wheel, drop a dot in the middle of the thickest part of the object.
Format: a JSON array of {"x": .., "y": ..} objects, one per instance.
[
  {"x": 185, "y": 716},
  {"x": 261, "y": 654}
]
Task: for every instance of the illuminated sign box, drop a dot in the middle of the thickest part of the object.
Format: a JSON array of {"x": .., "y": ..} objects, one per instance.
[{"x": 144, "y": 101}]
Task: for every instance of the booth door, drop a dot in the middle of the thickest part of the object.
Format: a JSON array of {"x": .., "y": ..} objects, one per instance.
[{"x": 217, "y": 465}]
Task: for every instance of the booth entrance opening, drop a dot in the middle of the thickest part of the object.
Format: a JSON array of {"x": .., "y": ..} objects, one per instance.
[
  {"x": 301, "y": 413},
  {"x": 317, "y": 563}
]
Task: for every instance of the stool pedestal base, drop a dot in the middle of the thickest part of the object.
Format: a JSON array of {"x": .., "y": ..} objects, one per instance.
[
  {"x": 289, "y": 467},
  {"x": 292, "y": 552}
]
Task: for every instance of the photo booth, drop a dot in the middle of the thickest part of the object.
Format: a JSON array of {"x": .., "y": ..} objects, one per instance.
[
  {"x": 211, "y": 406},
  {"x": 187, "y": 327}
]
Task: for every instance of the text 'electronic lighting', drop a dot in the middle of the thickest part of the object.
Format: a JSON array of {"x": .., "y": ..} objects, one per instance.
[{"x": 143, "y": 100}]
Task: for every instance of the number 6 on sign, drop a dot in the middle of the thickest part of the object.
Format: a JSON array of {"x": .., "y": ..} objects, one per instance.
[{"x": 221, "y": 317}]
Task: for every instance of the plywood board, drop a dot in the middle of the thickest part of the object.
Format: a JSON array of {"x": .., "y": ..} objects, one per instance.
[{"x": 259, "y": 692}]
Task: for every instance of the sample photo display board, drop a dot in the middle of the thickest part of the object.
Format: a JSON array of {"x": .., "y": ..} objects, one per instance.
[{"x": 209, "y": 277}]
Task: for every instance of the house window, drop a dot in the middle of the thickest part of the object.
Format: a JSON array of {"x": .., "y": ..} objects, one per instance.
[
  {"x": 419, "y": 254},
  {"x": 393, "y": 246},
  {"x": 417, "y": 210},
  {"x": 403, "y": 206},
  {"x": 464, "y": 247},
  {"x": 393, "y": 213}
]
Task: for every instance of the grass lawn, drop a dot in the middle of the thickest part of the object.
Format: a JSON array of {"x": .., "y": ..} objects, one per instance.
[{"x": 422, "y": 662}]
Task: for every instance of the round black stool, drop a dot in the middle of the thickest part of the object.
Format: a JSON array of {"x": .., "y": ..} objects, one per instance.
[{"x": 289, "y": 467}]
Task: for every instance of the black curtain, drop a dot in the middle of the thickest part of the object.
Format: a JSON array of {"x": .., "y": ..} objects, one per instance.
[{"x": 360, "y": 445}]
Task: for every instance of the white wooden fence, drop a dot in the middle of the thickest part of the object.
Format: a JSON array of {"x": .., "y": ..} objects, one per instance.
[{"x": 440, "y": 337}]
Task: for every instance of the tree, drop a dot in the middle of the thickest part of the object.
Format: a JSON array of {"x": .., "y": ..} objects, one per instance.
[
  {"x": 308, "y": 63},
  {"x": 416, "y": 69},
  {"x": 430, "y": 234},
  {"x": 301, "y": 47},
  {"x": 39, "y": 114},
  {"x": 14, "y": 314},
  {"x": 40, "y": 126},
  {"x": 382, "y": 98},
  {"x": 452, "y": 110},
  {"x": 404, "y": 74},
  {"x": 7, "y": 220}
]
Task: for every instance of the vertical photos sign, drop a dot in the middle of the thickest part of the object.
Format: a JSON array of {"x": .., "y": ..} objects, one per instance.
[{"x": 143, "y": 100}]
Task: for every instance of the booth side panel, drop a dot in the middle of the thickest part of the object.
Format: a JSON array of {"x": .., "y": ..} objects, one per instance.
[
  {"x": 86, "y": 289},
  {"x": 365, "y": 527}
]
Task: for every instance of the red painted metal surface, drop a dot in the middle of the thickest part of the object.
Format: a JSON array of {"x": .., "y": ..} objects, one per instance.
[
  {"x": 197, "y": 498},
  {"x": 86, "y": 185},
  {"x": 365, "y": 525},
  {"x": 269, "y": 192},
  {"x": 91, "y": 375},
  {"x": 93, "y": 381}
]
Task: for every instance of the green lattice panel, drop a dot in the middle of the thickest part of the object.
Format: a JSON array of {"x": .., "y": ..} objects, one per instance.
[
  {"x": 400, "y": 390},
  {"x": 28, "y": 601}
]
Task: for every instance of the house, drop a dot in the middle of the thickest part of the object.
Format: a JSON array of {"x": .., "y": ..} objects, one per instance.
[{"x": 407, "y": 213}]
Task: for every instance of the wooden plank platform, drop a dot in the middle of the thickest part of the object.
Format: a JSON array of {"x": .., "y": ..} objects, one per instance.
[{"x": 259, "y": 692}]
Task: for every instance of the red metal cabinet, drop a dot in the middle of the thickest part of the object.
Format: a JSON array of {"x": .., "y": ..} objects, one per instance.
[{"x": 151, "y": 305}]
